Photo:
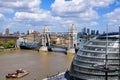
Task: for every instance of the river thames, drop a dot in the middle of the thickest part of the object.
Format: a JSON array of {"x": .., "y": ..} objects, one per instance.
[{"x": 39, "y": 64}]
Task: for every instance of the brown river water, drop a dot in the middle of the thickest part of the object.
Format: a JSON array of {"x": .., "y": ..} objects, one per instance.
[{"x": 39, "y": 64}]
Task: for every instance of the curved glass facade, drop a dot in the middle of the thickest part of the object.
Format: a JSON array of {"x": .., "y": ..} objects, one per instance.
[{"x": 90, "y": 61}]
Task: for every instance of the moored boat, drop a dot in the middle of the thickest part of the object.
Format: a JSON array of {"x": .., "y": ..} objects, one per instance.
[
  {"x": 28, "y": 46},
  {"x": 18, "y": 74}
]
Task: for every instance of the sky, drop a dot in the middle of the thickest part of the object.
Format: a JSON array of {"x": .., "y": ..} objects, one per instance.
[{"x": 59, "y": 15}]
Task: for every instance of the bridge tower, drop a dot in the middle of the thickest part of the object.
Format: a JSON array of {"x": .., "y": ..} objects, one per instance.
[
  {"x": 45, "y": 38},
  {"x": 72, "y": 34}
]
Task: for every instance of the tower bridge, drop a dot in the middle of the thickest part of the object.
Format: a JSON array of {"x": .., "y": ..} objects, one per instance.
[
  {"x": 72, "y": 34},
  {"x": 45, "y": 39},
  {"x": 46, "y": 45}
]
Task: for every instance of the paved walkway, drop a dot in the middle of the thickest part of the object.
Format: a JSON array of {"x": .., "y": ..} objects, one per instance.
[{"x": 60, "y": 76}]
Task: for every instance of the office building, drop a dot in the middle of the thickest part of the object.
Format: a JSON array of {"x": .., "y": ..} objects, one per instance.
[{"x": 98, "y": 59}]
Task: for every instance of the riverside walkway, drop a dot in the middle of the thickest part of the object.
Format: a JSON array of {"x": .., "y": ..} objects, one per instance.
[{"x": 59, "y": 76}]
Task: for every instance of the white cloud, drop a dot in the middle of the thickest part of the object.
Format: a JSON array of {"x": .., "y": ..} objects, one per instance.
[
  {"x": 20, "y": 5},
  {"x": 100, "y": 3},
  {"x": 82, "y": 9},
  {"x": 63, "y": 12},
  {"x": 37, "y": 16},
  {"x": 93, "y": 23},
  {"x": 27, "y": 15},
  {"x": 2, "y": 18},
  {"x": 6, "y": 10},
  {"x": 113, "y": 17},
  {"x": 89, "y": 24},
  {"x": 63, "y": 6},
  {"x": 89, "y": 15}
]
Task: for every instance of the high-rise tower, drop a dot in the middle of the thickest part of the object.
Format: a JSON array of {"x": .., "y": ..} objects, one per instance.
[{"x": 7, "y": 31}]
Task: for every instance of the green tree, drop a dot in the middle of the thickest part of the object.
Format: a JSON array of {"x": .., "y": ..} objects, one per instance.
[
  {"x": 1, "y": 44},
  {"x": 11, "y": 43},
  {"x": 6, "y": 45}
]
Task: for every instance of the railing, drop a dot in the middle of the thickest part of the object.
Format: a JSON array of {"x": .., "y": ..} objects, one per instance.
[{"x": 58, "y": 76}]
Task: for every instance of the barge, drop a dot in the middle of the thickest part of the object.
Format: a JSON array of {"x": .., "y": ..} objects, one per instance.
[{"x": 18, "y": 74}]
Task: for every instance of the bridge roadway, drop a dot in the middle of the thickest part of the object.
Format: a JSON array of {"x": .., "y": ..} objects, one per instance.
[
  {"x": 54, "y": 48},
  {"x": 63, "y": 49}
]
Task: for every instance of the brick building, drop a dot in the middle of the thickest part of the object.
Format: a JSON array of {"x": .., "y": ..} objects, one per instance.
[
  {"x": 5, "y": 39},
  {"x": 31, "y": 37}
]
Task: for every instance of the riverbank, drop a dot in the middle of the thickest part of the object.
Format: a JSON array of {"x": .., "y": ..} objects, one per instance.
[{"x": 8, "y": 49}]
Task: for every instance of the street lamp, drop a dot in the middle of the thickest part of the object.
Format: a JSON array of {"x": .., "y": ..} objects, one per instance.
[
  {"x": 106, "y": 55},
  {"x": 119, "y": 56}
]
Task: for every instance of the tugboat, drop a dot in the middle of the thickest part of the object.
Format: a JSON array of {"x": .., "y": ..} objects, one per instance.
[{"x": 18, "y": 74}]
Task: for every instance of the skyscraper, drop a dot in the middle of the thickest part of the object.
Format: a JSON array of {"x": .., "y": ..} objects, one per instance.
[
  {"x": 84, "y": 31},
  {"x": 97, "y": 32},
  {"x": 88, "y": 31},
  {"x": 92, "y": 32}
]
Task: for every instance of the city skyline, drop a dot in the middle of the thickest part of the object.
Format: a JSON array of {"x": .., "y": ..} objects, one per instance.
[
  {"x": 84, "y": 31},
  {"x": 20, "y": 15}
]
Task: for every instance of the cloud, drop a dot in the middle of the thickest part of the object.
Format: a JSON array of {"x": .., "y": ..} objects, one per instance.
[
  {"x": 93, "y": 23},
  {"x": 117, "y": 2},
  {"x": 20, "y": 5},
  {"x": 100, "y": 3},
  {"x": 69, "y": 9},
  {"x": 113, "y": 17},
  {"x": 6, "y": 10},
  {"x": 64, "y": 13},
  {"x": 2, "y": 18},
  {"x": 27, "y": 16},
  {"x": 40, "y": 18},
  {"x": 82, "y": 9},
  {"x": 42, "y": 15},
  {"x": 89, "y": 15},
  {"x": 63, "y": 6}
]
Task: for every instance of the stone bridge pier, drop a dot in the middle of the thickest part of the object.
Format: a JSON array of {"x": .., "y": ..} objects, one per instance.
[{"x": 45, "y": 39}]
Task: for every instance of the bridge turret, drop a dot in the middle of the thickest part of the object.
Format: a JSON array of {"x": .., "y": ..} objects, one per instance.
[
  {"x": 72, "y": 33},
  {"x": 45, "y": 38}
]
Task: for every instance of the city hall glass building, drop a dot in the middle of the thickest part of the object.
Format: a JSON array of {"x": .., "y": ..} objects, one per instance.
[{"x": 97, "y": 59}]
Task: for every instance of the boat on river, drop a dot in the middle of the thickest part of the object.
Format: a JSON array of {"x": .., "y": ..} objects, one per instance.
[
  {"x": 29, "y": 46},
  {"x": 18, "y": 74}
]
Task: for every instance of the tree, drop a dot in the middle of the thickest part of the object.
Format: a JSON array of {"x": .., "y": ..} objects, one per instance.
[
  {"x": 11, "y": 43},
  {"x": 5, "y": 45},
  {"x": 1, "y": 44}
]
